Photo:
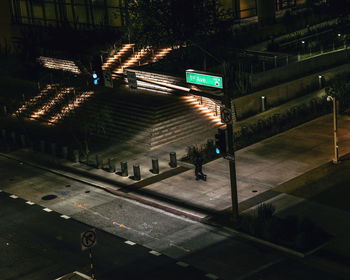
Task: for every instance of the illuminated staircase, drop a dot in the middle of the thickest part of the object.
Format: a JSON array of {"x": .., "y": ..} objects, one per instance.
[
  {"x": 138, "y": 58},
  {"x": 34, "y": 104},
  {"x": 113, "y": 61},
  {"x": 53, "y": 104},
  {"x": 160, "y": 54},
  {"x": 128, "y": 57},
  {"x": 149, "y": 121}
]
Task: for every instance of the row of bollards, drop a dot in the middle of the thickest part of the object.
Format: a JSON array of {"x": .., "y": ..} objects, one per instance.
[
  {"x": 124, "y": 170},
  {"x": 74, "y": 155}
]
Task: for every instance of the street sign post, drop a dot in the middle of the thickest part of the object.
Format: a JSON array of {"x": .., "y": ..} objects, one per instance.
[
  {"x": 226, "y": 115},
  {"x": 88, "y": 239},
  {"x": 204, "y": 79}
]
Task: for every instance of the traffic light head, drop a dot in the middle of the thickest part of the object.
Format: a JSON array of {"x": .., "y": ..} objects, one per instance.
[{"x": 220, "y": 142}]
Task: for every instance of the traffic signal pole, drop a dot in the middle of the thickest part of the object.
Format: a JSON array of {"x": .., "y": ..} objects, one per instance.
[{"x": 230, "y": 149}]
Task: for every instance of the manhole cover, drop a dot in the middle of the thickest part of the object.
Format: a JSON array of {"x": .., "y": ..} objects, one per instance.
[
  {"x": 49, "y": 197},
  {"x": 87, "y": 191},
  {"x": 254, "y": 191},
  {"x": 67, "y": 186}
]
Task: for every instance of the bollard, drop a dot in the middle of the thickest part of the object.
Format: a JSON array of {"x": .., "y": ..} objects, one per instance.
[
  {"x": 173, "y": 161},
  {"x": 98, "y": 162},
  {"x": 42, "y": 146},
  {"x": 124, "y": 168},
  {"x": 263, "y": 103},
  {"x": 53, "y": 149},
  {"x": 155, "y": 166},
  {"x": 75, "y": 156},
  {"x": 23, "y": 141},
  {"x": 137, "y": 172},
  {"x": 65, "y": 152},
  {"x": 115, "y": 164},
  {"x": 111, "y": 166},
  {"x": 13, "y": 138}
]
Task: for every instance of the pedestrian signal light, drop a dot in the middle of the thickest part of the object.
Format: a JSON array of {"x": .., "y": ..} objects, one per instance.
[
  {"x": 220, "y": 142},
  {"x": 96, "y": 79}
]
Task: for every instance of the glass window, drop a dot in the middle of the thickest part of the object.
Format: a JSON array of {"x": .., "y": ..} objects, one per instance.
[
  {"x": 50, "y": 11},
  {"x": 99, "y": 15},
  {"x": 248, "y": 8},
  {"x": 81, "y": 14}
]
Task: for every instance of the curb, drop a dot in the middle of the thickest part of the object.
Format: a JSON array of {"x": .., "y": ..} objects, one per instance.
[
  {"x": 111, "y": 190},
  {"x": 276, "y": 246}
]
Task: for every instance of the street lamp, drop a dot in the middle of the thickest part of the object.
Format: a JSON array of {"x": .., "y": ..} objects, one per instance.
[{"x": 335, "y": 128}]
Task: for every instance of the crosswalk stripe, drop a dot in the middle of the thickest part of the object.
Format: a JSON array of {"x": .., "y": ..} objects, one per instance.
[
  {"x": 183, "y": 264},
  {"x": 13, "y": 196},
  {"x": 211, "y": 276},
  {"x": 130, "y": 243},
  {"x": 30, "y": 202},
  {"x": 47, "y": 210},
  {"x": 155, "y": 253},
  {"x": 65, "y": 217}
]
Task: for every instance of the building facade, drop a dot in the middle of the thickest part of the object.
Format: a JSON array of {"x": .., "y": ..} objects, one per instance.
[{"x": 90, "y": 13}]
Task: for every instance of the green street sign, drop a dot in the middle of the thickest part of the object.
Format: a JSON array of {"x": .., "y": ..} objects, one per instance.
[{"x": 203, "y": 79}]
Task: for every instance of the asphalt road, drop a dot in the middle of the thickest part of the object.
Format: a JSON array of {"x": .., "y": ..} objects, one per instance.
[{"x": 37, "y": 245}]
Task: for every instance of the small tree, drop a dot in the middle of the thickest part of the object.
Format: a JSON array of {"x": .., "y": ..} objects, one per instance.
[
  {"x": 178, "y": 22},
  {"x": 340, "y": 89}
]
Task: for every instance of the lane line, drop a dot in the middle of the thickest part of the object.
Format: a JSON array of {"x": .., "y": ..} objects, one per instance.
[
  {"x": 183, "y": 264},
  {"x": 155, "y": 253},
  {"x": 13, "y": 196},
  {"x": 211, "y": 276},
  {"x": 65, "y": 217},
  {"x": 30, "y": 202},
  {"x": 47, "y": 210},
  {"x": 130, "y": 243}
]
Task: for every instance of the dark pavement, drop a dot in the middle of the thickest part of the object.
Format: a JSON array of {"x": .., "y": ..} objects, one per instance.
[{"x": 38, "y": 245}]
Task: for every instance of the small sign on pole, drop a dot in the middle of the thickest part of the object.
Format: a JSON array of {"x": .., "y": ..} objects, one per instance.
[
  {"x": 226, "y": 115},
  {"x": 88, "y": 239},
  {"x": 107, "y": 77},
  {"x": 204, "y": 79},
  {"x": 132, "y": 79}
]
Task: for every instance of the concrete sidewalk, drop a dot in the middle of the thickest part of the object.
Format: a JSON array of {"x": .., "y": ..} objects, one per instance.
[{"x": 260, "y": 167}]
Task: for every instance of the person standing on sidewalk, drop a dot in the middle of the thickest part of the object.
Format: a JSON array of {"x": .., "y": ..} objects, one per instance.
[{"x": 198, "y": 163}]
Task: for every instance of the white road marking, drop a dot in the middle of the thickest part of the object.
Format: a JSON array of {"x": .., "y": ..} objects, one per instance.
[
  {"x": 183, "y": 264},
  {"x": 13, "y": 196},
  {"x": 155, "y": 253},
  {"x": 130, "y": 243},
  {"x": 65, "y": 217},
  {"x": 30, "y": 202},
  {"x": 47, "y": 210},
  {"x": 211, "y": 276}
]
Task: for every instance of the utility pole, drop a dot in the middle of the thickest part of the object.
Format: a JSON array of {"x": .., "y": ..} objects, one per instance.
[
  {"x": 230, "y": 149},
  {"x": 226, "y": 100}
]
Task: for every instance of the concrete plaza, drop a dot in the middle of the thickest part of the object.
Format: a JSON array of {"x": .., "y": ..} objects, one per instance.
[{"x": 259, "y": 167}]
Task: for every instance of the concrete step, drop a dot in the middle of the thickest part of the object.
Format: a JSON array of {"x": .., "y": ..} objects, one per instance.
[{"x": 192, "y": 132}]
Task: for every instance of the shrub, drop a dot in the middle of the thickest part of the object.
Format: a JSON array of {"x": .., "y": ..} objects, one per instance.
[{"x": 265, "y": 210}]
